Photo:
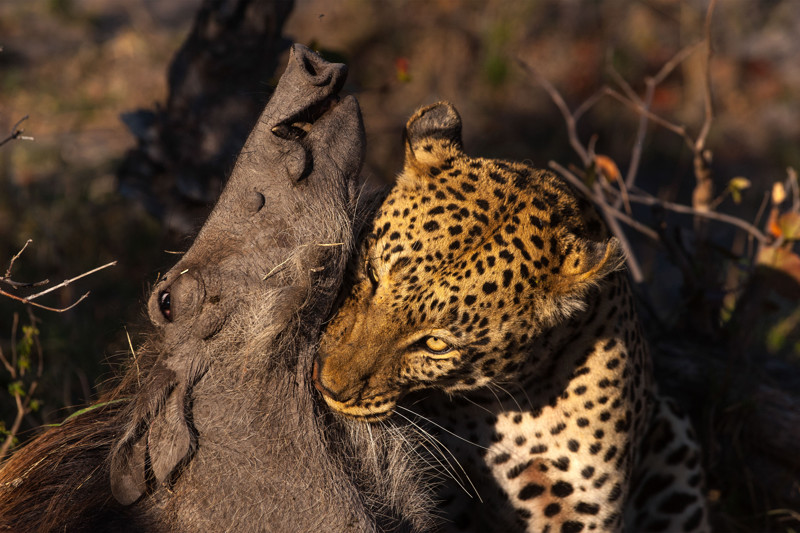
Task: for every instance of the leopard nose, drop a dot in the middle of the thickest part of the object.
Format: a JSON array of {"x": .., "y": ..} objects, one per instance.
[{"x": 316, "y": 377}]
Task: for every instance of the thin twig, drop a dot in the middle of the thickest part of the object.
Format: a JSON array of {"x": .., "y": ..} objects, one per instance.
[
  {"x": 610, "y": 214},
  {"x": 45, "y": 307},
  {"x": 16, "y": 284},
  {"x": 576, "y": 181},
  {"x": 68, "y": 281},
  {"x": 700, "y": 143},
  {"x": 674, "y": 128},
  {"x": 6, "y": 364},
  {"x": 558, "y": 100},
  {"x": 30, "y": 299},
  {"x": 12, "y": 432},
  {"x": 17, "y": 133},
  {"x": 721, "y": 217},
  {"x": 16, "y": 256},
  {"x": 630, "y": 257},
  {"x": 587, "y": 104},
  {"x": 757, "y": 220},
  {"x": 644, "y": 105},
  {"x": 676, "y": 60},
  {"x": 791, "y": 180}
]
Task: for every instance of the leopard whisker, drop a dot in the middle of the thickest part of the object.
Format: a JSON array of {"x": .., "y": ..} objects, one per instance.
[
  {"x": 443, "y": 470},
  {"x": 441, "y": 447},
  {"x": 437, "y": 446},
  {"x": 413, "y": 448},
  {"x": 479, "y": 406},
  {"x": 456, "y": 435},
  {"x": 508, "y": 393}
]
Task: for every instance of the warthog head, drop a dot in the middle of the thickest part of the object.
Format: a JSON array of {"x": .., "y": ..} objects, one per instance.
[{"x": 216, "y": 425}]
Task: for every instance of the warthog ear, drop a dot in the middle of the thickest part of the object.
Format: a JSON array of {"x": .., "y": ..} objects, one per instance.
[
  {"x": 158, "y": 437},
  {"x": 431, "y": 129}
]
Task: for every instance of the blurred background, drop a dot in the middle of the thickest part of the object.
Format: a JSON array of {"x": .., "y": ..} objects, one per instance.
[{"x": 138, "y": 108}]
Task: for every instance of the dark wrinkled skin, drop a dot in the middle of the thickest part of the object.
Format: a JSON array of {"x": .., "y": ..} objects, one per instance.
[{"x": 216, "y": 427}]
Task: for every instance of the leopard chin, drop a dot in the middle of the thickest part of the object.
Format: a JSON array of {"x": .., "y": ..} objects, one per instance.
[{"x": 360, "y": 412}]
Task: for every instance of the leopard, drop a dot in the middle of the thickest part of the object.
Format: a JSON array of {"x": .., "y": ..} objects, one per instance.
[{"x": 490, "y": 301}]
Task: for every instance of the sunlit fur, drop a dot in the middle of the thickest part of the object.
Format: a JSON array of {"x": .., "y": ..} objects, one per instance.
[{"x": 549, "y": 408}]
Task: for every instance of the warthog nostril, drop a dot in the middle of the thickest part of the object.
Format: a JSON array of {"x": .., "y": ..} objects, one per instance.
[{"x": 308, "y": 65}]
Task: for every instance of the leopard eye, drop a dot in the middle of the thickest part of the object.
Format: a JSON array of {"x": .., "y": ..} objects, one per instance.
[
  {"x": 436, "y": 346},
  {"x": 372, "y": 273}
]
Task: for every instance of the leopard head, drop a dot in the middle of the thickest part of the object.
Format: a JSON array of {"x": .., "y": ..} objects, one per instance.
[{"x": 466, "y": 262}]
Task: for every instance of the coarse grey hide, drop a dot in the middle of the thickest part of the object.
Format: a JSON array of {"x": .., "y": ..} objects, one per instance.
[{"x": 216, "y": 426}]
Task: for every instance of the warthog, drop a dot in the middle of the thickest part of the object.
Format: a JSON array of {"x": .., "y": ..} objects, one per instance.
[{"x": 215, "y": 426}]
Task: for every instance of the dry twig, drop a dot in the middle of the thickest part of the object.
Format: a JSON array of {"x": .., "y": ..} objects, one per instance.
[
  {"x": 6, "y": 279},
  {"x": 17, "y": 133}
]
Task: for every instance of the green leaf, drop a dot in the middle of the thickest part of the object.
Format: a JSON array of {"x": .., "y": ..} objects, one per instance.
[
  {"x": 16, "y": 388},
  {"x": 736, "y": 186}
]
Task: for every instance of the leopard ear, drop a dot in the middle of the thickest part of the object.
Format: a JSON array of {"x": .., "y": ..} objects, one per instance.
[
  {"x": 586, "y": 262},
  {"x": 432, "y": 130}
]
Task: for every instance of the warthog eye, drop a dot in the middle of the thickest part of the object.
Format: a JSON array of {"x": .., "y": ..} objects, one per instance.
[
  {"x": 436, "y": 346},
  {"x": 165, "y": 305}
]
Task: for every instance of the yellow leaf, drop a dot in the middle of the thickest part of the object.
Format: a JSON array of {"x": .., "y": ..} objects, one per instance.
[{"x": 778, "y": 193}]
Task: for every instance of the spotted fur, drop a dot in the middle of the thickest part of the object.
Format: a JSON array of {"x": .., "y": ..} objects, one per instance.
[{"x": 498, "y": 285}]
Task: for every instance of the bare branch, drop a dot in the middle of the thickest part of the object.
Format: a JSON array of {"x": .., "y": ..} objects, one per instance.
[
  {"x": 17, "y": 133},
  {"x": 29, "y": 299},
  {"x": 721, "y": 217},
  {"x": 16, "y": 284},
  {"x": 623, "y": 83},
  {"x": 576, "y": 181},
  {"x": 40, "y": 306},
  {"x": 611, "y": 215},
  {"x": 12, "y": 432},
  {"x": 641, "y": 131},
  {"x": 6, "y": 364},
  {"x": 557, "y": 99},
  {"x": 676, "y": 60},
  {"x": 16, "y": 256},
  {"x": 674, "y": 128},
  {"x": 792, "y": 185},
  {"x": 68, "y": 281},
  {"x": 587, "y": 104},
  {"x": 709, "y": 114}
]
